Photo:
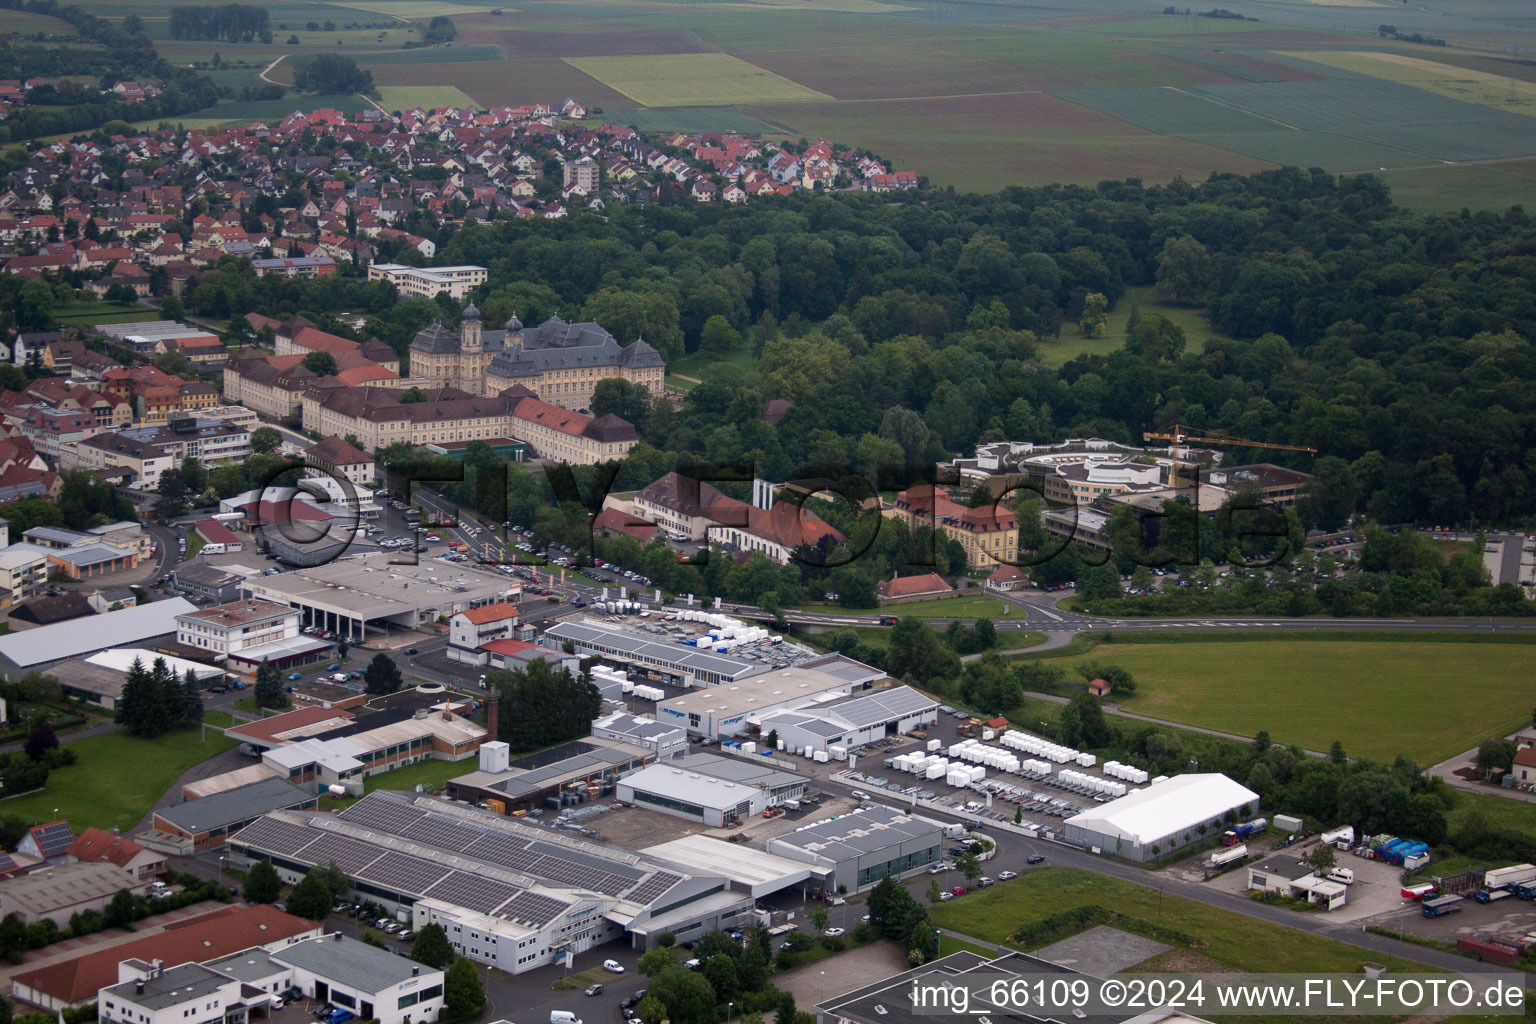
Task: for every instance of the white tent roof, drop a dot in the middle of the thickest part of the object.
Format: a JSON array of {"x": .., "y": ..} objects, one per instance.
[
  {"x": 121, "y": 659},
  {"x": 78, "y": 636},
  {"x": 1162, "y": 809}
]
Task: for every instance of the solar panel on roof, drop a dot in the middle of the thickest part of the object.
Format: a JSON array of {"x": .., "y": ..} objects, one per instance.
[
  {"x": 654, "y": 886},
  {"x": 351, "y": 855},
  {"x": 274, "y": 835},
  {"x": 503, "y": 850},
  {"x": 532, "y": 909},
  {"x": 440, "y": 832},
  {"x": 380, "y": 813},
  {"x": 481, "y": 895},
  {"x": 404, "y": 873},
  {"x": 52, "y": 840}
]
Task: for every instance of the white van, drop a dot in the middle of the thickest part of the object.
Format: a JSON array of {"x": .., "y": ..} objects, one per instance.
[
  {"x": 563, "y": 1017},
  {"x": 212, "y": 548},
  {"x": 1344, "y": 875}
]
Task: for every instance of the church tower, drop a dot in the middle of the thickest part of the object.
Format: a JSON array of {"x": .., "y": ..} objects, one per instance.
[
  {"x": 471, "y": 352},
  {"x": 514, "y": 336}
]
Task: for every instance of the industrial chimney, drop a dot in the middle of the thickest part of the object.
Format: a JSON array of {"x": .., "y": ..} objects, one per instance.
[{"x": 492, "y": 699}]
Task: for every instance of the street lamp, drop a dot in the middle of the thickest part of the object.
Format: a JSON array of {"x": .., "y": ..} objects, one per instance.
[
  {"x": 728, "y": 1008},
  {"x": 222, "y": 859}
]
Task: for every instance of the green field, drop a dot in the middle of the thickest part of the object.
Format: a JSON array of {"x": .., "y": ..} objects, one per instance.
[
  {"x": 81, "y": 314},
  {"x": 1232, "y": 940},
  {"x": 692, "y": 80},
  {"x": 1057, "y": 352},
  {"x": 968, "y": 606},
  {"x": 428, "y": 97},
  {"x": 98, "y": 791},
  {"x": 1381, "y": 699},
  {"x": 29, "y": 22}
]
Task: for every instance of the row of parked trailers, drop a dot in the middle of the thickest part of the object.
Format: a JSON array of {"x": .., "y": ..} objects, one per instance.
[
  {"x": 1130, "y": 773},
  {"x": 1023, "y": 741},
  {"x": 1410, "y": 853}
]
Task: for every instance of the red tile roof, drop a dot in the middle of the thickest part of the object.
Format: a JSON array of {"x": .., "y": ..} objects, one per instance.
[
  {"x": 489, "y": 613},
  {"x": 215, "y": 532},
  {"x": 909, "y": 586},
  {"x": 96, "y": 846},
  {"x": 207, "y": 937},
  {"x": 269, "y": 729}
]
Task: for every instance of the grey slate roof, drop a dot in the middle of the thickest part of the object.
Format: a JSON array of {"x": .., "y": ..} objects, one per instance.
[
  {"x": 172, "y": 987},
  {"x": 353, "y": 964},
  {"x": 870, "y": 828}
]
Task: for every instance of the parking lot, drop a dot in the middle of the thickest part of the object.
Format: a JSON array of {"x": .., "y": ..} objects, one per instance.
[
  {"x": 1511, "y": 916},
  {"x": 1376, "y": 890}
]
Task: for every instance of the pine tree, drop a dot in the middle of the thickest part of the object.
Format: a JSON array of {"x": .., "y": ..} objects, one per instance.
[
  {"x": 138, "y": 709},
  {"x": 382, "y": 675},
  {"x": 269, "y": 689},
  {"x": 191, "y": 700}
]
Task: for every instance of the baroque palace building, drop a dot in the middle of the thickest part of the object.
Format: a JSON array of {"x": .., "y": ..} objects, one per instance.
[{"x": 559, "y": 362}]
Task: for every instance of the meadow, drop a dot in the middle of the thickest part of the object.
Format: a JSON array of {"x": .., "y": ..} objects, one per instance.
[{"x": 1381, "y": 699}]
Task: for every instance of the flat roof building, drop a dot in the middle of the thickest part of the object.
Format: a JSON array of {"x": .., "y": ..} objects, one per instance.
[
  {"x": 551, "y": 778},
  {"x": 677, "y": 663},
  {"x": 508, "y": 894},
  {"x": 197, "y": 825},
  {"x": 360, "y": 595},
  {"x": 852, "y": 722},
  {"x": 732, "y": 709},
  {"x": 58, "y": 893},
  {"x": 858, "y": 849},
  {"x": 666, "y": 741},
  {"x": 375, "y": 984},
  {"x": 709, "y": 788},
  {"x": 29, "y": 649}
]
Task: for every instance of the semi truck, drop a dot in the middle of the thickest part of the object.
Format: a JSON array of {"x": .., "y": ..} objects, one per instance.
[
  {"x": 1248, "y": 828},
  {"x": 1442, "y": 905},
  {"x": 1227, "y": 856},
  {"x": 1492, "y": 895},
  {"x": 1515, "y": 874}
]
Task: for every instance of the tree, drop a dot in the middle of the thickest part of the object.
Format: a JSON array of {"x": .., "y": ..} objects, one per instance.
[
  {"x": 784, "y": 1013},
  {"x": 311, "y": 898},
  {"x": 935, "y": 892},
  {"x": 1095, "y": 318},
  {"x": 1336, "y": 753},
  {"x": 122, "y": 910},
  {"x": 720, "y": 972},
  {"x": 40, "y": 741},
  {"x": 332, "y": 73},
  {"x": 1099, "y": 582},
  {"x": 144, "y": 708},
  {"x": 412, "y": 395},
  {"x": 687, "y": 995},
  {"x": 321, "y": 364},
  {"x": 382, "y": 676},
  {"x": 463, "y": 993},
  {"x": 262, "y": 884},
  {"x": 269, "y": 688},
  {"x": 542, "y": 704},
  {"x": 1321, "y": 859},
  {"x": 431, "y": 946},
  {"x": 969, "y": 865},
  {"x": 819, "y": 917},
  {"x": 1183, "y": 270},
  {"x": 654, "y": 961},
  {"x": 986, "y": 635},
  {"x": 718, "y": 335},
  {"x": 264, "y": 439},
  {"x": 1495, "y": 755},
  {"x": 171, "y": 495},
  {"x": 189, "y": 710},
  {"x": 650, "y": 1010}
]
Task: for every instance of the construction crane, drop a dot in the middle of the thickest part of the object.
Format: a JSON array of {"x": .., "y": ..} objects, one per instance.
[{"x": 1177, "y": 436}]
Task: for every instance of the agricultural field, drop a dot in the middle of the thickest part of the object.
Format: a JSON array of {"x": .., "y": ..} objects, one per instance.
[
  {"x": 428, "y": 97},
  {"x": 30, "y": 22},
  {"x": 1402, "y": 695},
  {"x": 691, "y": 80},
  {"x": 1502, "y": 92}
]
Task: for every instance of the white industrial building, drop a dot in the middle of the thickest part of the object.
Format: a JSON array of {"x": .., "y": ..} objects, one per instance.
[
  {"x": 655, "y": 658},
  {"x": 852, "y": 722},
  {"x": 373, "y": 983},
  {"x": 509, "y": 894},
  {"x": 735, "y": 708},
  {"x": 856, "y": 850},
  {"x": 668, "y": 741},
  {"x": 1166, "y": 816},
  {"x": 710, "y": 788},
  {"x": 23, "y": 651}
]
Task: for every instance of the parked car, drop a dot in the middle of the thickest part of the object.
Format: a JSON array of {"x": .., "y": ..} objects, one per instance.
[
  {"x": 833, "y": 933},
  {"x": 1003, "y": 876},
  {"x": 295, "y": 675},
  {"x": 1035, "y": 859},
  {"x": 945, "y": 897},
  {"x": 613, "y": 967},
  {"x": 593, "y": 990},
  {"x": 958, "y": 890}
]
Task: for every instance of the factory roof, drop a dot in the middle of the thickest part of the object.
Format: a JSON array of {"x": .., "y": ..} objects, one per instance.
[
  {"x": 234, "y": 806},
  {"x": 171, "y": 987},
  {"x": 765, "y": 691},
  {"x": 56, "y": 888},
  {"x": 111, "y": 629},
  {"x": 870, "y": 828}
]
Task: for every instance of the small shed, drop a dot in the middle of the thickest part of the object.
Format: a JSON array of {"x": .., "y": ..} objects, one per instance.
[{"x": 1099, "y": 687}]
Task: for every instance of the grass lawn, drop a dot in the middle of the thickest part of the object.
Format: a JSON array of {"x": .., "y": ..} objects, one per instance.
[
  {"x": 1236, "y": 941},
  {"x": 711, "y": 365},
  {"x": 1404, "y": 697},
  {"x": 1197, "y": 330},
  {"x": 433, "y": 773},
  {"x": 1500, "y": 811},
  {"x": 98, "y": 791},
  {"x": 195, "y": 544},
  {"x": 880, "y": 636},
  {"x": 79, "y": 314},
  {"x": 949, "y": 944}
]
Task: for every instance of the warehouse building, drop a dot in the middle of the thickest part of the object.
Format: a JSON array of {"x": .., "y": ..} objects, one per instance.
[
  {"x": 1166, "y": 816},
  {"x": 736, "y": 708},
  {"x": 570, "y": 773},
  {"x": 31, "y": 649},
  {"x": 58, "y": 893},
  {"x": 100, "y": 677},
  {"x": 507, "y": 893},
  {"x": 360, "y": 596},
  {"x": 665, "y": 741},
  {"x": 373, "y": 983},
  {"x": 856, "y": 850},
  {"x": 656, "y": 659},
  {"x": 709, "y": 788},
  {"x": 852, "y": 722},
  {"x": 197, "y": 825}
]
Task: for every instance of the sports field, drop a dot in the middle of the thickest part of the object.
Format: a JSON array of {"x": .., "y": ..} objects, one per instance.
[
  {"x": 1381, "y": 699},
  {"x": 691, "y": 80}
]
